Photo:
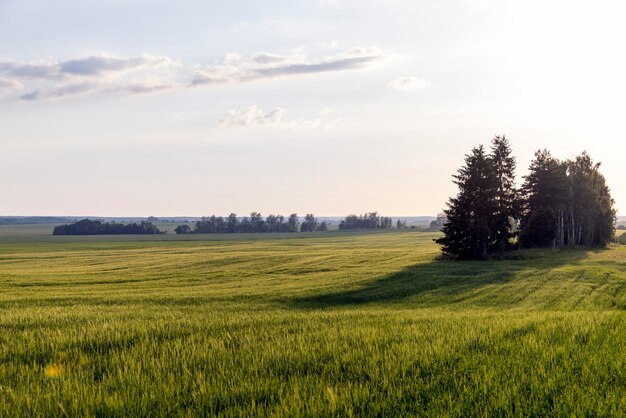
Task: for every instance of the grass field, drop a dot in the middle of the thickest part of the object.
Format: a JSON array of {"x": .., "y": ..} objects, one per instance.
[{"x": 323, "y": 325}]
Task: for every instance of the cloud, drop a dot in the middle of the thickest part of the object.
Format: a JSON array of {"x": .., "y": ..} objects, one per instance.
[
  {"x": 265, "y": 58},
  {"x": 93, "y": 74},
  {"x": 264, "y": 66},
  {"x": 408, "y": 84},
  {"x": 46, "y": 70},
  {"x": 67, "y": 90},
  {"x": 33, "y": 95},
  {"x": 146, "y": 73},
  {"x": 256, "y": 117},
  {"x": 9, "y": 84},
  {"x": 85, "y": 88},
  {"x": 252, "y": 116},
  {"x": 97, "y": 65}
]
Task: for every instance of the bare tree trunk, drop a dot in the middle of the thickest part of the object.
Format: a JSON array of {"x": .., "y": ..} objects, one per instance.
[{"x": 573, "y": 231}]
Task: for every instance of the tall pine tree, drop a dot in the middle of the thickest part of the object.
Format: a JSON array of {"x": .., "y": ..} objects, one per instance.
[
  {"x": 507, "y": 204},
  {"x": 470, "y": 220}
]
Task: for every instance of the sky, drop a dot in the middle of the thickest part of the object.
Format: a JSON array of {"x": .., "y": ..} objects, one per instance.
[{"x": 189, "y": 108}]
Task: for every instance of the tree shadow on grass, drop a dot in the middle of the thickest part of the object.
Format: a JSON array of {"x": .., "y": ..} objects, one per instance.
[{"x": 444, "y": 282}]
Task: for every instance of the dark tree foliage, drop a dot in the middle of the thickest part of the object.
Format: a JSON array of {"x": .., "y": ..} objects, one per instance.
[
  {"x": 245, "y": 225},
  {"x": 211, "y": 225},
  {"x": 507, "y": 203},
  {"x": 323, "y": 226},
  {"x": 309, "y": 224},
  {"x": 470, "y": 215},
  {"x": 369, "y": 220},
  {"x": 545, "y": 201},
  {"x": 293, "y": 222},
  {"x": 566, "y": 203},
  {"x": 255, "y": 223},
  {"x": 561, "y": 203},
  {"x": 89, "y": 227},
  {"x": 232, "y": 223},
  {"x": 183, "y": 229},
  {"x": 276, "y": 223}
]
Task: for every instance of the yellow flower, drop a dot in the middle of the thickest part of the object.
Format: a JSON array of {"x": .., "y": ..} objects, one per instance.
[{"x": 54, "y": 370}]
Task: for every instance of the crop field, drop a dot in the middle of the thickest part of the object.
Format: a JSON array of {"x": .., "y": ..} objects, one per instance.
[{"x": 332, "y": 324}]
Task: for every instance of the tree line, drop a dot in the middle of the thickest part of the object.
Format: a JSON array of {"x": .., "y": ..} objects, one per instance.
[
  {"x": 89, "y": 227},
  {"x": 369, "y": 220},
  {"x": 560, "y": 203},
  {"x": 255, "y": 223}
]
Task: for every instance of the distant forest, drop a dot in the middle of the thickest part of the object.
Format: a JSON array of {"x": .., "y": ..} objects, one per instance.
[
  {"x": 32, "y": 220},
  {"x": 562, "y": 203},
  {"x": 255, "y": 223},
  {"x": 88, "y": 227}
]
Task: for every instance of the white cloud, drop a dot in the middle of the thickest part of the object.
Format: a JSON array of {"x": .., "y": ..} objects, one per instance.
[
  {"x": 146, "y": 73},
  {"x": 238, "y": 69},
  {"x": 256, "y": 117},
  {"x": 408, "y": 84},
  {"x": 252, "y": 116},
  {"x": 92, "y": 74}
]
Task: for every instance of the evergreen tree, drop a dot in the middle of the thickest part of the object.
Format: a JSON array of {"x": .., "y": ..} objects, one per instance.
[
  {"x": 507, "y": 206},
  {"x": 545, "y": 202},
  {"x": 561, "y": 203},
  {"x": 470, "y": 215}
]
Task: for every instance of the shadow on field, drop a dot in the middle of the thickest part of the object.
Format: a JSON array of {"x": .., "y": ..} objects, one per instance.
[{"x": 441, "y": 282}]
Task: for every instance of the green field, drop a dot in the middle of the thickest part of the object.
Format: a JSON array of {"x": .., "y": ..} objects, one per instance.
[{"x": 330, "y": 324}]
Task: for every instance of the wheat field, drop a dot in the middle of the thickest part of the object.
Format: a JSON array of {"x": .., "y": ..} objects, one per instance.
[{"x": 333, "y": 324}]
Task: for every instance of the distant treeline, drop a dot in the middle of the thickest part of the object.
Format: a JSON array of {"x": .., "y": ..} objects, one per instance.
[
  {"x": 561, "y": 203},
  {"x": 255, "y": 223},
  {"x": 33, "y": 220},
  {"x": 89, "y": 227},
  {"x": 367, "y": 221}
]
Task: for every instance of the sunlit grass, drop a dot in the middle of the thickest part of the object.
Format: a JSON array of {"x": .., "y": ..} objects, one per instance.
[{"x": 330, "y": 325}]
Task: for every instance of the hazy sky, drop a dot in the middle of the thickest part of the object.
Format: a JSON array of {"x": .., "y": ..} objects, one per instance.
[{"x": 133, "y": 107}]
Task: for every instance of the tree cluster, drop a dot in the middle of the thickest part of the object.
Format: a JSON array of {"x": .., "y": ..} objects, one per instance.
[
  {"x": 89, "y": 227},
  {"x": 566, "y": 203},
  {"x": 561, "y": 203},
  {"x": 255, "y": 223},
  {"x": 366, "y": 221}
]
